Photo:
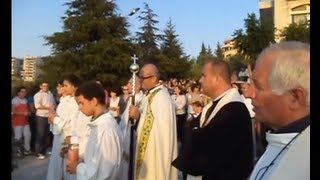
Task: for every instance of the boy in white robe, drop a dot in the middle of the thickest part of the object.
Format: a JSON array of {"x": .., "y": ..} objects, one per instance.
[{"x": 102, "y": 156}]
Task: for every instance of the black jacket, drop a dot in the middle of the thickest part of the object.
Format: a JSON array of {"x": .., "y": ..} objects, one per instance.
[{"x": 221, "y": 150}]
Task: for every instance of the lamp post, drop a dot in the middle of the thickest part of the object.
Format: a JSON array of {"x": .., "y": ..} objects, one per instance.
[{"x": 134, "y": 69}]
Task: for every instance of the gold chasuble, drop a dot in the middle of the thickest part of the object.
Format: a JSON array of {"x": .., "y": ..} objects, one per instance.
[{"x": 147, "y": 125}]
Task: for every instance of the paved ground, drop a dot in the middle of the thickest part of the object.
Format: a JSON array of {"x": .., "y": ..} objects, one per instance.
[{"x": 30, "y": 168}]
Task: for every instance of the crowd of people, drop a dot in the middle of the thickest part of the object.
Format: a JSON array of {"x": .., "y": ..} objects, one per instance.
[{"x": 254, "y": 124}]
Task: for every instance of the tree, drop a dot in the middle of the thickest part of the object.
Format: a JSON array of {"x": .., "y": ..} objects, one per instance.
[
  {"x": 147, "y": 38},
  {"x": 218, "y": 52},
  {"x": 258, "y": 35},
  {"x": 92, "y": 44},
  {"x": 298, "y": 32},
  {"x": 237, "y": 62},
  {"x": 205, "y": 55},
  {"x": 174, "y": 62}
]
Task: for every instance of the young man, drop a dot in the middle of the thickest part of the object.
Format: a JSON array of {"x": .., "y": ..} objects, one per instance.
[
  {"x": 20, "y": 122},
  {"x": 43, "y": 102},
  {"x": 102, "y": 156}
]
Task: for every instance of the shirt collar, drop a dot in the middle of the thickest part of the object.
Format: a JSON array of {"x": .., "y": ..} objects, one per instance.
[{"x": 296, "y": 126}]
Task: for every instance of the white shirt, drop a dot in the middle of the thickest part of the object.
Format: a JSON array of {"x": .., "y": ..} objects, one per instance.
[
  {"x": 248, "y": 103},
  {"x": 293, "y": 163},
  {"x": 45, "y": 99},
  {"x": 103, "y": 152},
  {"x": 180, "y": 102},
  {"x": 114, "y": 103}
]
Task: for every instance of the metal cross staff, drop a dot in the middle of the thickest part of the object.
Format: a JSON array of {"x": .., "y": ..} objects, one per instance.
[{"x": 134, "y": 68}]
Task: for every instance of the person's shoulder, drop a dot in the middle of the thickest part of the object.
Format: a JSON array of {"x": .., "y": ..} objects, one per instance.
[
  {"x": 235, "y": 109},
  {"x": 14, "y": 100},
  {"x": 235, "y": 106},
  {"x": 37, "y": 94}
]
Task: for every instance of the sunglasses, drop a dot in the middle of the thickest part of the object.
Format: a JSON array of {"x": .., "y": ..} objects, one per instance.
[{"x": 147, "y": 77}]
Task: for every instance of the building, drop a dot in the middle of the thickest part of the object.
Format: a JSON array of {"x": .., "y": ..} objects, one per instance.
[
  {"x": 228, "y": 49},
  {"x": 16, "y": 66},
  {"x": 282, "y": 13},
  {"x": 30, "y": 70}
]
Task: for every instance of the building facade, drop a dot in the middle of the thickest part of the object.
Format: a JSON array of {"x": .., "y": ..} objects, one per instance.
[
  {"x": 228, "y": 49},
  {"x": 30, "y": 70},
  {"x": 16, "y": 66},
  {"x": 282, "y": 13}
]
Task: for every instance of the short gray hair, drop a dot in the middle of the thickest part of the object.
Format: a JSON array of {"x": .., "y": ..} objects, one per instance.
[{"x": 290, "y": 67}]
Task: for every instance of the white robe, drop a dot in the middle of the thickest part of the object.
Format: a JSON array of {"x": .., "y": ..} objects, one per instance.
[
  {"x": 80, "y": 134},
  {"x": 161, "y": 149},
  {"x": 125, "y": 129},
  {"x": 292, "y": 164},
  {"x": 55, "y": 167},
  {"x": 102, "y": 156},
  {"x": 65, "y": 124}
]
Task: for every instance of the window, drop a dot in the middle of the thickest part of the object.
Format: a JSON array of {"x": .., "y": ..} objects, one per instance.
[{"x": 300, "y": 14}]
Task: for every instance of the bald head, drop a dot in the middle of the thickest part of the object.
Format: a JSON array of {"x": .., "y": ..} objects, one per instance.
[
  {"x": 149, "y": 75},
  {"x": 150, "y": 70}
]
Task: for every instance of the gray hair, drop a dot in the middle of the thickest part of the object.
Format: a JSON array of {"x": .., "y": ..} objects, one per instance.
[{"x": 290, "y": 67}]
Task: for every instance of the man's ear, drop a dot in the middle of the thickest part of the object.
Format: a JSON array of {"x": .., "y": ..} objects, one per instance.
[
  {"x": 94, "y": 101},
  {"x": 298, "y": 97}
]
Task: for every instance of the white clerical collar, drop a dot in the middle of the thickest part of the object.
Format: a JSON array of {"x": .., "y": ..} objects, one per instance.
[
  {"x": 224, "y": 93},
  {"x": 279, "y": 139}
]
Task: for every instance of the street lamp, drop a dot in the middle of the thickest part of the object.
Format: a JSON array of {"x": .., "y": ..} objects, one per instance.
[
  {"x": 134, "y": 10},
  {"x": 134, "y": 68}
]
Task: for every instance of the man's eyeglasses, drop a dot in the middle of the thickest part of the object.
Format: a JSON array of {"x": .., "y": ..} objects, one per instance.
[{"x": 147, "y": 77}]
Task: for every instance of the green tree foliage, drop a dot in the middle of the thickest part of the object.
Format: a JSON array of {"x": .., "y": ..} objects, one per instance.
[
  {"x": 92, "y": 44},
  {"x": 205, "y": 55},
  {"x": 196, "y": 70},
  {"x": 257, "y": 35},
  {"x": 298, "y": 32},
  {"x": 174, "y": 62},
  {"x": 147, "y": 38},
  {"x": 236, "y": 62},
  {"x": 218, "y": 52}
]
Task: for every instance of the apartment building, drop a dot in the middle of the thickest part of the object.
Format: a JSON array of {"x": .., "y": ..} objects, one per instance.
[
  {"x": 284, "y": 12},
  {"x": 228, "y": 49},
  {"x": 16, "y": 66},
  {"x": 30, "y": 70}
]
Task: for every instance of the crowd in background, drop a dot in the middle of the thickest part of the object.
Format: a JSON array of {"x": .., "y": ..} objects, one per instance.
[{"x": 216, "y": 127}]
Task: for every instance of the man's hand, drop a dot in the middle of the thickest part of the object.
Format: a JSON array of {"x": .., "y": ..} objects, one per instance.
[
  {"x": 63, "y": 151},
  {"x": 134, "y": 112},
  {"x": 72, "y": 166}
]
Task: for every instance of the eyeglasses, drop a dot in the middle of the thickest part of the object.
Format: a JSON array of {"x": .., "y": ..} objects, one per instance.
[{"x": 147, "y": 77}]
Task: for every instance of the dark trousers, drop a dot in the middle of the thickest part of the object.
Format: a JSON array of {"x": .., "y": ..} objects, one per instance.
[
  {"x": 181, "y": 119},
  {"x": 42, "y": 131},
  {"x": 33, "y": 130}
]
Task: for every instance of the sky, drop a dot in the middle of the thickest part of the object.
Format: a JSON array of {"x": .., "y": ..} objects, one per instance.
[{"x": 196, "y": 22}]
